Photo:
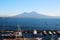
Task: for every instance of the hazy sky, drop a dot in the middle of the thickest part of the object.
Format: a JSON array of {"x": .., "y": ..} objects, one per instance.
[{"x": 13, "y": 7}]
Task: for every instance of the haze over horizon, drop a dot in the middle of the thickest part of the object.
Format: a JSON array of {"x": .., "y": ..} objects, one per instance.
[{"x": 15, "y": 7}]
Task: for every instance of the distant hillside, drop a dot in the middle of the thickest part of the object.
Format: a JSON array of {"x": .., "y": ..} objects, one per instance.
[{"x": 31, "y": 15}]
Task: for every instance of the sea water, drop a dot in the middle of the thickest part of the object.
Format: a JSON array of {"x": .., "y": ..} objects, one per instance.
[{"x": 31, "y": 24}]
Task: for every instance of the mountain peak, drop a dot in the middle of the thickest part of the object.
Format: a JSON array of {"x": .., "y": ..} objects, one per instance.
[{"x": 32, "y": 14}]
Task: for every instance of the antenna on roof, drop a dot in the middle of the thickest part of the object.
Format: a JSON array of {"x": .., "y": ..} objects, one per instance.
[
  {"x": 19, "y": 28},
  {"x": 19, "y": 32}
]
